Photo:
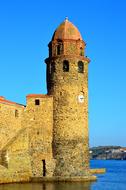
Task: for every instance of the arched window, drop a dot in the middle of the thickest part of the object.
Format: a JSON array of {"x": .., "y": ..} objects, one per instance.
[
  {"x": 81, "y": 51},
  {"x": 80, "y": 67},
  {"x": 58, "y": 50},
  {"x": 65, "y": 66}
]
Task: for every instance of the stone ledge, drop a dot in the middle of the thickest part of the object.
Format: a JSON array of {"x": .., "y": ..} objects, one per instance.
[
  {"x": 63, "y": 179},
  {"x": 10, "y": 180},
  {"x": 98, "y": 171}
]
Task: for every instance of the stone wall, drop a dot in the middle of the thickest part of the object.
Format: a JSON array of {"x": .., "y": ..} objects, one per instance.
[
  {"x": 15, "y": 163},
  {"x": 10, "y": 120},
  {"x": 39, "y": 120},
  {"x": 26, "y": 139}
]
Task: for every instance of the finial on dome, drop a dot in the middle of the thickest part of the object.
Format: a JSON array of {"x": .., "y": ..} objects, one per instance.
[{"x": 66, "y": 18}]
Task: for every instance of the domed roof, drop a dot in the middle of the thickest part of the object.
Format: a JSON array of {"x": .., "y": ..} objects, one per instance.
[{"x": 67, "y": 30}]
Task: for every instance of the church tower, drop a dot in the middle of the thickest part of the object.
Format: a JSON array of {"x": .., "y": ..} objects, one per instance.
[{"x": 67, "y": 82}]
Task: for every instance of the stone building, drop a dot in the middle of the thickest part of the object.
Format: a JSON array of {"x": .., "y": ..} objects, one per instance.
[{"x": 48, "y": 138}]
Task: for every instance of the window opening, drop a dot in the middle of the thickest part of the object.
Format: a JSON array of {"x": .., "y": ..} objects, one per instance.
[
  {"x": 66, "y": 66},
  {"x": 37, "y": 102},
  {"x": 16, "y": 113},
  {"x": 58, "y": 50},
  {"x": 44, "y": 167},
  {"x": 80, "y": 67},
  {"x": 81, "y": 51}
]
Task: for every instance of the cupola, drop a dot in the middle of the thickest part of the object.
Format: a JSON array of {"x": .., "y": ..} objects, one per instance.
[
  {"x": 66, "y": 31},
  {"x": 66, "y": 40}
]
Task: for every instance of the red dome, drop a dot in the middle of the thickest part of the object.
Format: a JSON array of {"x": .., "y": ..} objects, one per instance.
[{"x": 66, "y": 31}]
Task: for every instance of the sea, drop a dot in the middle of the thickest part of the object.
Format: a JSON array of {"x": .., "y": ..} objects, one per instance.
[{"x": 113, "y": 179}]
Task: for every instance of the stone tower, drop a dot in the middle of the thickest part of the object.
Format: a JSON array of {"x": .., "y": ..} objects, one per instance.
[{"x": 67, "y": 82}]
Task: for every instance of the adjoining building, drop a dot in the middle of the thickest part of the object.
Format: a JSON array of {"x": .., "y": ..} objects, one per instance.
[{"x": 48, "y": 138}]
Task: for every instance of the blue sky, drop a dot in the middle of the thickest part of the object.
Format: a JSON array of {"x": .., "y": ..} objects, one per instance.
[{"x": 26, "y": 27}]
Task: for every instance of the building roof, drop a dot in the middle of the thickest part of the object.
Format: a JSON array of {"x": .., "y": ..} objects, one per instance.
[
  {"x": 67, "y": 31},
  {"x": 4, "y": 101},
  {"x": 38, "y": 96}
]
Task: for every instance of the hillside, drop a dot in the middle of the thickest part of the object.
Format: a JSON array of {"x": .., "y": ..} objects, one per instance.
[{"x": 108, "y": 153}]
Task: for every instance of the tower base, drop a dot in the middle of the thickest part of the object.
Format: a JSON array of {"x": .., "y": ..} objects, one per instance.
[{"x": 64, "y": 179}]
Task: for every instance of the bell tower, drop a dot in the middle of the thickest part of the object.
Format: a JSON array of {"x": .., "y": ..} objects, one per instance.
[{"x": 67, "y": 82}]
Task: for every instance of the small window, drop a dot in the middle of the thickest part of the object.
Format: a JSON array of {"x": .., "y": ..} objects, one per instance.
[
  {"x": 65, "y": 66},
  {"x": 16, "y": 113},
  {"x": 80, "y": 67},
  {"x": 37, "y": 102}
]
